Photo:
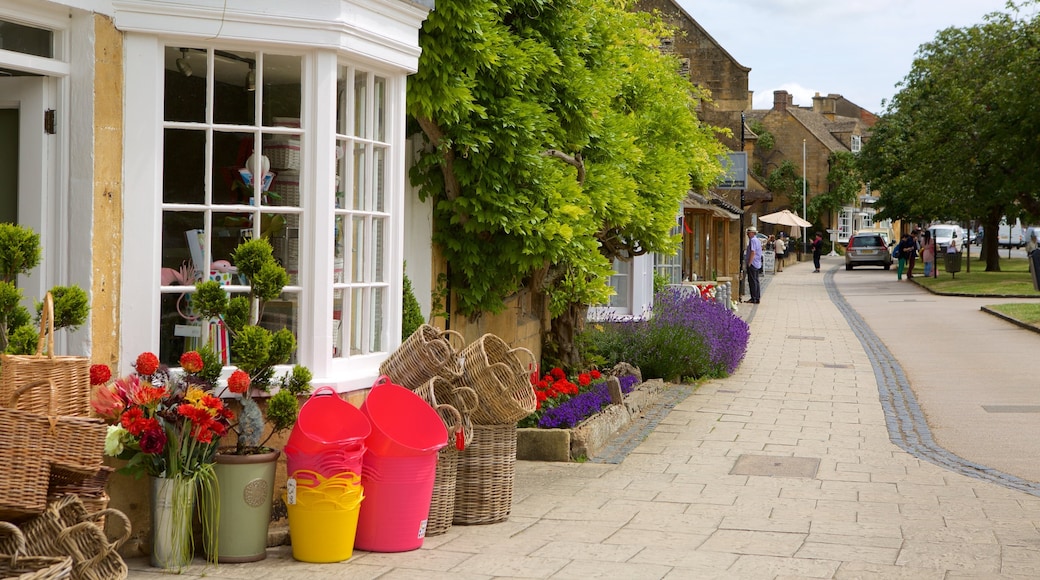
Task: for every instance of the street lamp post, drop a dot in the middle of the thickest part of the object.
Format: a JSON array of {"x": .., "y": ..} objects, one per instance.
[{"x": 805, "y": 240}]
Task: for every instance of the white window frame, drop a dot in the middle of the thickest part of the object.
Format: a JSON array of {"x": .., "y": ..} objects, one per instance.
[
  {"x": 857, "y": 143},
  {"x": 139, "y": 323}
]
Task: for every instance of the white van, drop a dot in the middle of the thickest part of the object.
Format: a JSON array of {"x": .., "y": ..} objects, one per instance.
[
  {"x": 1010, "y": 235},
  {"x": 944, "y": 234}
]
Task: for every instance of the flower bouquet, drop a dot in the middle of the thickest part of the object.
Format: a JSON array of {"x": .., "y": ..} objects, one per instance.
[{"x": 168, "y": 427}]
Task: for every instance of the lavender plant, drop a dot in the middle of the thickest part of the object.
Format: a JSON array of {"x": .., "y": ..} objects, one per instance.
[
  {"x": 683, "y": 336},
  {"x": 582, "y": 406}
]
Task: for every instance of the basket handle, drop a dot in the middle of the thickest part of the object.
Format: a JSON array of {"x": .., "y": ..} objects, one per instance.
[
  {"x": 531, "y": 366},
  {"x": 447, "y": 335},
  {"x": 15, "y": 532},
  {"x": 467, "y": 399},
  {"x": 125, "y": 521},
  {"x": 46, "y": 326},
  {"x": 52, "y": 400}
]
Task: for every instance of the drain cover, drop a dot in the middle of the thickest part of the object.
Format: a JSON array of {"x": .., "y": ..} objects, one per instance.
[
  {"x": 774, "y": 466},
  {"x": 803, "y": 337}
]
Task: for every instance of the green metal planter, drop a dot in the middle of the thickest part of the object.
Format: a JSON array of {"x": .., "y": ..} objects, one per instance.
[{"x": 246, "y": 492}]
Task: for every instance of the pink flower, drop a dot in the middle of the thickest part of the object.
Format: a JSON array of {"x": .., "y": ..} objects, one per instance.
[{"x": 107, "y": 403}]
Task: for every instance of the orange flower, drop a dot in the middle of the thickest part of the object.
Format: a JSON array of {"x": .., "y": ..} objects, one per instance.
[
  {"x": 238, "y": 382},
  {"x": 147, "y": 363},
  {"x": 191, "y": 361}
]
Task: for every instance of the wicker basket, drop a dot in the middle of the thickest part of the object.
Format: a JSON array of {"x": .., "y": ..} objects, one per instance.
[
  {"x": 70, "y": 374},
  {"x": 32, "y": 444},
  {"x": 66, "y": 528},
  {"x": 486, "y": 471},
  {"x": 463, "y": 400},
  {"x": 427, "y": 353},
  {"x": 15, "y": 565},
  {"x": 442, "y": 502},
  {"x": 501, "y": 378}
]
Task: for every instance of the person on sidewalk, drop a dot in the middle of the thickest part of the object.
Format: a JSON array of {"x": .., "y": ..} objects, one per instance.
[
  {"x": 911, "y": 257},
  {"x": 902, "y": 252},
  {"x": 928, "y": 254},
  {"x": 753, "y": 264},
  {"x": 781, "y": 252},
  {"x": 817, "y": 250}
]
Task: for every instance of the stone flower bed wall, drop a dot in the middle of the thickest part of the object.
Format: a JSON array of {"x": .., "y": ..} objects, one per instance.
[{"x": 589, "y": 436}]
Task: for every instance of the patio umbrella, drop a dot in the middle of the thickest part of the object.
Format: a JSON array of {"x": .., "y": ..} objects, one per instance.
[{"x": 785, "y": 218}]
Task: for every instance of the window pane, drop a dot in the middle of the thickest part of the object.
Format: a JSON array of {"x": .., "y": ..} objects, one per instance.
[
  {"x": 360, "y": 105},
  {"x": 234, "y": 87},
  {"x": 282, "y": 313},
  {"x": 26, "y": 39},
  {"x": 360, "y": 197},
  {"x": 380, "y": 108},
  {"x": 229, "y": 230},
  {"x": 379, "y": 241},
  {"x": 340, "y": 241},
  {"x": 231, "y": 153},
  {"x": 357, "y": 321},
  {"x": 281, "y": 78},
  {"x": 184, "y": 166},
  {"x": 176, "y": 249},
  {"x": 376, "y": 315},
  {"x": 283, "y": 153},
  {"x": 379, "y": 178},
  {"x": 358, "y": 252},
  {"x": 343, "y": 97},
  {"x": 338, "y": 316},
  {"x": 620, "y": 282},
  {"x": 185, "y": 84}
]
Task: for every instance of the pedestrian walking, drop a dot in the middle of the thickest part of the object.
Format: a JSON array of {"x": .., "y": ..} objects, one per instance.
[
  {"x": 753, "y": 264},
  {"x": 911, "y": 257},
  {"x": 928, "y": 254},
  {"x": 902, "y": 252},
  {"x": 780, "y": 247},
  {"x": 817, "y": 250}
]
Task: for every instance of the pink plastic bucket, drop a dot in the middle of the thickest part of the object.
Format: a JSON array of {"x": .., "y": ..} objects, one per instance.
[
  {"x": 398, "y": 492},
  {"x": 326, "y": 420},
  {"x": 403, "y": 424}
]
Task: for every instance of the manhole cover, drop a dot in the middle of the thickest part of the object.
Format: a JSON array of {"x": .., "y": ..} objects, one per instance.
[
  {"x": 1011, "y": 408},
  {"x": 803, "y": 337},
  {"x": 773, "y": 466},
  {"x": 836, "y": 366}
]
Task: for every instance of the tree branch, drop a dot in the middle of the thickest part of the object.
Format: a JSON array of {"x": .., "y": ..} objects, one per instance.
[
  {"x": 451, "y": 182},
  {"x": 575, "y": 161}
]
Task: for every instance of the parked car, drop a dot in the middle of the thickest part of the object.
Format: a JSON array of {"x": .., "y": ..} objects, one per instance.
[
  {"x": 867, "y": 249},
  {"x": 943, "y": 234},
  {"x": 885, "y": 233}
]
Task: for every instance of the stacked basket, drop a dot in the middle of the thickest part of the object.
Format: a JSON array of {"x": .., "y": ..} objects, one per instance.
[
  {"x": 51, "y": 447},
  {"x": 428, "y": 364},
  {"x": 500, "y": 376}
]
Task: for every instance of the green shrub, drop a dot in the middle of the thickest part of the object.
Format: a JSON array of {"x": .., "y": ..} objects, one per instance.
[{"x": 411, "y": 317}]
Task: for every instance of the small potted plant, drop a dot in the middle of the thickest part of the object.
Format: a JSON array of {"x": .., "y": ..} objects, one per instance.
[{"x": 256, "y": 352}]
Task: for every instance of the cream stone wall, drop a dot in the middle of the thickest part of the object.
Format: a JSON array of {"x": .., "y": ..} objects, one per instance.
[{"x": 108, "y": 191}]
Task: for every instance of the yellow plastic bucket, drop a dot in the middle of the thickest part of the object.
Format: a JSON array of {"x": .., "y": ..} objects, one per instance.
[{"x": 322, "y": 524}]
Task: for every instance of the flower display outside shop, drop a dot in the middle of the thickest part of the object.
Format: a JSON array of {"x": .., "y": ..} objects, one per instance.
[
  {"x": 164, "y": 425},
  {"x": 563, "y": 403}
]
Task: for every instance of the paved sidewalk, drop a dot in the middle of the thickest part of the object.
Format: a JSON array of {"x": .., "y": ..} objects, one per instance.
[{"x": 784, "y": 470}]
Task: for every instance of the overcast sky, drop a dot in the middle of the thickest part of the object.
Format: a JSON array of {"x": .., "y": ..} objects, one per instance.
[{"x": 859, "y": 49}]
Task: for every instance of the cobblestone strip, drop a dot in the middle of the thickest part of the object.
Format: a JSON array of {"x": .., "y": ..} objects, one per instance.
[
  {"x": 629, "y": 438},
  {"x": 907, "y": 427}
]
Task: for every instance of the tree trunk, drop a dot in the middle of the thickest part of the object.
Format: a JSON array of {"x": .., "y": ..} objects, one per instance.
[
  {"x": 563, "y": 331},
  {"x": 990, "y": 245}
]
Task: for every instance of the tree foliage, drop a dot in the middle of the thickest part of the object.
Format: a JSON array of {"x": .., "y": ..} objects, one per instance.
[
  {"x": 558, "y": 138},
  {"x": 959, "y": 140}
]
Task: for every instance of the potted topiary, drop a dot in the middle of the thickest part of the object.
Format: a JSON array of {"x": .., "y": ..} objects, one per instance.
[{"x": 245, "y": 470}]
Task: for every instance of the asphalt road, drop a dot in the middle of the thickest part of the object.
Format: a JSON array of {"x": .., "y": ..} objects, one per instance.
[{"x": 976, "y": 376}]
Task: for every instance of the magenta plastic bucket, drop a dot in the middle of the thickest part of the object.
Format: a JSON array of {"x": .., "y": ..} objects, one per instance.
[
  {"x": 398, "y": 492},
  {"x": 402, "y": 423},
  {"x": 326, "y": 421},
  {"x": 328, "y": 463}
]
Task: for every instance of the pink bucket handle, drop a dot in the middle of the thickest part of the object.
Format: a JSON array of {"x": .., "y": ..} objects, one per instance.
[
  {"x": 326, "y": 390},
  {"x": 382, "y": 380}
]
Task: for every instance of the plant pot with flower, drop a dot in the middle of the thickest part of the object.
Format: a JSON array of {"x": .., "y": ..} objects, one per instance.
[
  {"x": 245, "y": 471},
  {"x": 166, "y": 426}
]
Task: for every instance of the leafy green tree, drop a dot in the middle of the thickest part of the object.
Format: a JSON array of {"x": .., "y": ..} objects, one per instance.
[
  {"x": 958, "y": 141},
  {"x": 559, "y": 139},
  {"x": 843, "y": 185}
]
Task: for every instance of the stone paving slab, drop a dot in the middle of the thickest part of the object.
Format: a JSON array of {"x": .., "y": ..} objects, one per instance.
[{"x": 672, "y": 509}]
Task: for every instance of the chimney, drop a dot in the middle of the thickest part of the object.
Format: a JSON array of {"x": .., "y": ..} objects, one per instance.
[
  {"x": 780, "y": 100},
  {"x": 826, "y": 106}
]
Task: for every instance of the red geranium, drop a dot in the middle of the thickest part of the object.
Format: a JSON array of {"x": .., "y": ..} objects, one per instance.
[
  {"x": 238, "y": 382},
  {"x": 147, "y": 363},
  {"x": 99, "y": 374},
  {"x": 191, "y": 362}
]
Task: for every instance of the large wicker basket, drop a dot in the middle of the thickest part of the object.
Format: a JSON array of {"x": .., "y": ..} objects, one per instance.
[
  {"x": 486, "y": 472},
  {"x": 67, "y": 529},
  {"x": 442, "y": 502},
  {"x": 427, "y": 353},
  {"x": 501, "y": 377},
  {"x": 32, "y": 444},
  {"x": 16, "y": 565},
  {"x": 70, "y": 374}
]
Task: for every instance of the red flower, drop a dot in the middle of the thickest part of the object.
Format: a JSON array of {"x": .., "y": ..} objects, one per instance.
[
  {"x": 238, "y": 382},
  {"x": 99, "y": 374},
  {"x": 595, "y": 374},
  {"x": 153, "y": 440},
  {"x": 558, "y": 373},
  {"x": 147, "y": 363},
  {"x": 191, "y": 362},
  {"x": 584, "y": 379}
]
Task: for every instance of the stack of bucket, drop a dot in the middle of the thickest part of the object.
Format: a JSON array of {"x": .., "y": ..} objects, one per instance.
[
  {"x": 324, "y": 458},
  {"x": 398, "y": 468}
]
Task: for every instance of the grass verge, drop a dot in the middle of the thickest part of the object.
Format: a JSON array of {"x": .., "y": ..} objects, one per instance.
[{"x": 1014, "y": 279}]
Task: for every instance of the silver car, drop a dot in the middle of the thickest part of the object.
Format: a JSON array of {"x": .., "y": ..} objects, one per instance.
[{"x": 867, "y": 250}]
